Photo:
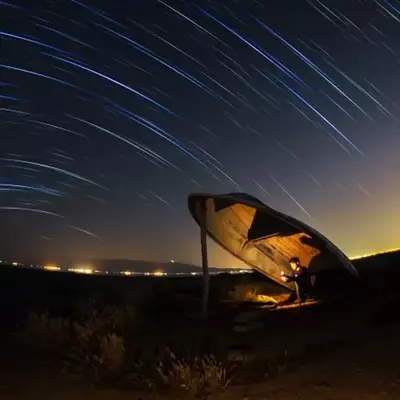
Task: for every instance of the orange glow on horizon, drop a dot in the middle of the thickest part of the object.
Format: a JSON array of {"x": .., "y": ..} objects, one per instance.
[
  {"x": 81, "y": 270},
  {"x": 228, "y": 261},
  {"x": 377, "y": 253},
  {"x": 51, "y": 268}
]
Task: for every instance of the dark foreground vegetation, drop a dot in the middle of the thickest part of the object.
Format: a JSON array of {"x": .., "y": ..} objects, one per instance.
[{"x": 75, "y": 336}]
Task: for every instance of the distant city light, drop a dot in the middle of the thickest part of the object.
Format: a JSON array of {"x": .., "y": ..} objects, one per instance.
[
  {"x": 159, "y": 272},
  {"x": 51, "y": 268},
  {"x": 240, "y": 271},
  {"x": 127, "y": 273},
  {"x": 15, "y": 264},
  {"x": 81, "y": 270}
]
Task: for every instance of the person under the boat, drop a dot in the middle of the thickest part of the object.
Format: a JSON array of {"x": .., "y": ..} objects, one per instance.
[{"x": 301, "y": 278}]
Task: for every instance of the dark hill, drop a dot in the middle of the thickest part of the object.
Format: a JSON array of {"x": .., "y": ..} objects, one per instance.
[{"x": 145, "y": 266}]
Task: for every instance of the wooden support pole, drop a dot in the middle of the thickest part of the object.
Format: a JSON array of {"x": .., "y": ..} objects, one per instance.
[{"x": 206, "y": 276}]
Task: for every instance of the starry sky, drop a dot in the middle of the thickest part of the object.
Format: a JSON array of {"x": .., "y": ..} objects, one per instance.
[{"x": 112, "y": 112}]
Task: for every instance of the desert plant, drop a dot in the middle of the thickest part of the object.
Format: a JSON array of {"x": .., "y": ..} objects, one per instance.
[
  {"x": 98, "y": 351},
  {"x": 42, "y": 332},
  {"x": 215, "y": 372},
  {"x": 196, "y": 376},
  {"x": 259, "y": 368}
]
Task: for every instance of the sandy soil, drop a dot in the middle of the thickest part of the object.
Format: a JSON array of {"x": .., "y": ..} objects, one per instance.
[
  {"x": 348, "y": 351},
  {"x": 366, "y": 367},
  {"x": 367, "y": 370}
]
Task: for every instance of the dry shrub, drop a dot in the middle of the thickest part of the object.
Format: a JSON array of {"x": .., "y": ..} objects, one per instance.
[
  {"x": 196, "y": 377},
  {"x": 44, "y": 333},
  {"x": 94, "y": 347},
  {"x": 98, "y": 351},
  {"x": 260, "y": 368},
  {"x": 103, "y": 348}
]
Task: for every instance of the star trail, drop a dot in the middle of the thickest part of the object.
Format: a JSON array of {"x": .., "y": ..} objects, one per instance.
[{"x": 111, "y": 113}]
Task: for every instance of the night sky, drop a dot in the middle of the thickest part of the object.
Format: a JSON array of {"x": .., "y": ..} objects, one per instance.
[{"x": 112, "y": 112}]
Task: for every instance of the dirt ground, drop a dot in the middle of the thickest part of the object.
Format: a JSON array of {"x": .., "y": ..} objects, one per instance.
[
  {"x": 367, "y": 370},
  {"x": 363, "y": 366},
  {"x": 346, "y": 350}
]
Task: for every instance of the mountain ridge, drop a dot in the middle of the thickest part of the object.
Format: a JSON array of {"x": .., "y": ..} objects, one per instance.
[{"x": 118, "y": 265}]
